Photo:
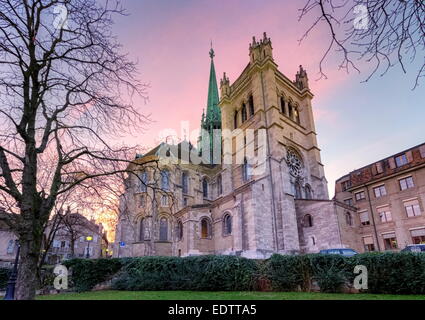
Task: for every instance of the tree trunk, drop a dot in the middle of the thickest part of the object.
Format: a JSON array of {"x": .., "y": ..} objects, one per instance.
[{"x": 28, "y": 279}]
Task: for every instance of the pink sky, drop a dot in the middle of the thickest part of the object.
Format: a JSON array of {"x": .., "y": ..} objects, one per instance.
[{"x": 171, "y": 40}]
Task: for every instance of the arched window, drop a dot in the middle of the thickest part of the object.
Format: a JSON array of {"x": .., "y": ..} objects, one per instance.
[
  {"x": 245, "y": 170},
  {"x": 298, "y": 194},
  {"x": 165, "y": 180},
  {"x": 205, "y": 188},
  {"x": 11, "y": 246},
  {"x": 163, "y": 229},
  {"x": 290, "y": 110},
  {"x": 308, "y": 221},
  {"x": 142, "y": 230},
  {"x": 307, "y": 190},
  {"x": 297, "y": 115},
  {"x": 251, "y": 105},
  {"x": 205, "y": 228},
  {"x": 348, "y": 218},
  {"x": 185, "y": 182},
  {"x": 227, "y": 224},
  {"x": 143, "y": 180},
  {"x": 179, "y": 231},
  {"x": 219, "y": 185},
  {"x": 244, "y": 115},
  {"x": 294, "y": 162},
  {"x": 282, "y": 105},
  {"x": 235, "y": 119}
]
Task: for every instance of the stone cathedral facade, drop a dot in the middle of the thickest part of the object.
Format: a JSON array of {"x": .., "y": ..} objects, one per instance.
[{"x": 227, "y": 205}]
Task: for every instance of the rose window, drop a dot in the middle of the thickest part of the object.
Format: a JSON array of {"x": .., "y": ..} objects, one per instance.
[{"x": 294, "y": 163}]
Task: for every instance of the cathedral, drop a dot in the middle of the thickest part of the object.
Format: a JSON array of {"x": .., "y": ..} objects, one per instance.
[{"x": 252, "y": 186}]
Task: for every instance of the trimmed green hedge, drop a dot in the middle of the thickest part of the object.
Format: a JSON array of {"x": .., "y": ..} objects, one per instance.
[
  {"x": 4, "y": 277},
  {"x": 88, "y": 273},
  {"x": 203, "y": 273},
  {"x": 396, "y": 273}
]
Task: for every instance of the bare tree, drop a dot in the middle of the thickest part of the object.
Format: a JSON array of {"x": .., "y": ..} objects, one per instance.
[
  {"x": 65, "y": 94},
  {"x": 383, "y": 33}
]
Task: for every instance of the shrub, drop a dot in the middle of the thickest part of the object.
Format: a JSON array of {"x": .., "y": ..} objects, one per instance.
[
  {"x": 4, "y": 277},
  {"x": 88, "y": 273},
  {"x": 396, "y": 273},
  {"x": 224, "y": 273},
  {"x": 289, "y": 273},
  {"x": 330, "y": 271}
]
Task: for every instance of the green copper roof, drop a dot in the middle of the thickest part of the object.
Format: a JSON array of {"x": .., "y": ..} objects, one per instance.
[{"x": 213, "y": 116}]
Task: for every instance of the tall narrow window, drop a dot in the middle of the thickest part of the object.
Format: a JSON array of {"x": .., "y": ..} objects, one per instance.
[
  {"x": 205, "y": 228},
  {"x": 251, "y": 105},
  {"x": 227, "y": 224},
  {"x": 297, "y": 115},
  {"x": 10, "y": 246},
  {"x": 348, "y": 218},
  {"x": 282, "y": 105},
  {"x": 142, "y": 230},
  {"x": 165, "y": 180},
  {"x": 308, "y": 221},
  {"x": 185, "y": 183},
  {"x": 308, "y": 192},
  {"x": 245, "y": 170},
  {"x": 143, "y": 180},
  {"x": 205, "y": 188},
  {"x": 244, "y": 116},
  {"x": 163, "y": 229},
  {"x": 290, "y": 110},
  {"x": 219, "y": 185},
  {"x": 298, "y": 194},
  {"x": 179, "y": 231},
  {"x": 235, "y": 120}
]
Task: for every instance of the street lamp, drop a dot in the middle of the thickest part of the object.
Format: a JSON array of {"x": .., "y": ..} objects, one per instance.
[
  {"x": 89, "y": 239},
  {"x": 11, "y": 284}
]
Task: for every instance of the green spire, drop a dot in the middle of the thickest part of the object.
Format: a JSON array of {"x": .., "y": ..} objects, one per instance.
[{"x": 213, "y": 117}]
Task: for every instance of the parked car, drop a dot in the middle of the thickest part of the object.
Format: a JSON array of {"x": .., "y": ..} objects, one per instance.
[
  {"x": 341, "y": 251},
  {"x": 414, "y": 248}
]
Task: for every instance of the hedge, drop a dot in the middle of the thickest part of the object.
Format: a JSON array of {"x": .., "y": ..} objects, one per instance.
[
  {"x": 88, "y": 273},
  {"x": 202, "y": 273},
  {"x": 395, "y": 273},
  {"x": 4, "y": 277}
]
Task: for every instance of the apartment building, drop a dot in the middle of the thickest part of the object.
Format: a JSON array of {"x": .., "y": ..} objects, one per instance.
[{"x": 389, "y": 196}]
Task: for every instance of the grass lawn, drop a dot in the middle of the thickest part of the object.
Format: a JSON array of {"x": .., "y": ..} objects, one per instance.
[{"x": 192, "y": 295}]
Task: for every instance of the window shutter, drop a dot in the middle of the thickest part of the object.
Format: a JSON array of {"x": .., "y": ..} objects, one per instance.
[
  {"x": 383, "y": 209},
  {"x": 368, "y": 240},
  {"x": 364, "y": 216},
  {"x": 418, "y": 233},
  {"x": 411, "y": 203},
  {"x": 389, "y": 235}
]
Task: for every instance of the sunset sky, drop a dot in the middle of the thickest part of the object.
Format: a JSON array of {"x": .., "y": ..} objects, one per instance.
[{"x": 357, "y": 123}]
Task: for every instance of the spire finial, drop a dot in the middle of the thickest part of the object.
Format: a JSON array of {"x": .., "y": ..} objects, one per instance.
[{"x": 212, "y": 54}]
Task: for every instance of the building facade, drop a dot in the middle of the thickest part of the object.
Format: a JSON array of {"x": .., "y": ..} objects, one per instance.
[
  {"x": 74, "y": 236},
  {"x": 266, "y": 194},
  {"x": 389, "y": 197},
  {"x": 8, "y": 246}
]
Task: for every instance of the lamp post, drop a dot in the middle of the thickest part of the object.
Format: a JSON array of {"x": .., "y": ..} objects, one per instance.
[
  {"x": 89, "y": 239},
  {"x": 11, "y": 284}
]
